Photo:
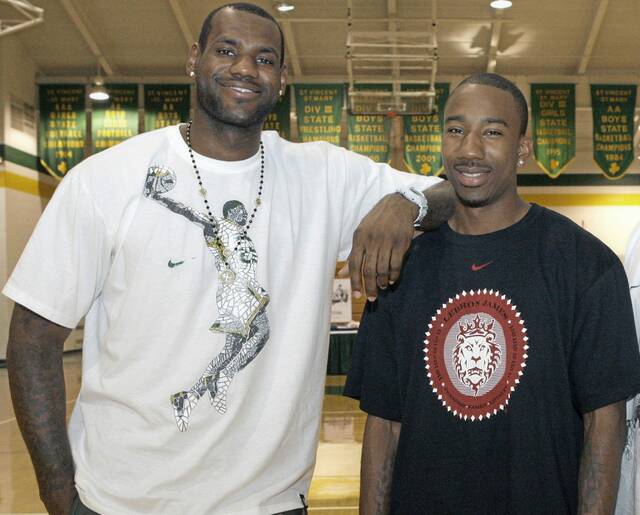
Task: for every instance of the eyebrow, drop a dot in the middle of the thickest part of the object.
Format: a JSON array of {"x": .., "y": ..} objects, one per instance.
[
  {"x": 234, "y": 42},
  {"x": 487, "y": 120}
]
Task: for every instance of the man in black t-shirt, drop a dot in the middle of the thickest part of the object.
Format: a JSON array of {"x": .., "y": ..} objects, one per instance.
[{"x": 494, "y": 374}]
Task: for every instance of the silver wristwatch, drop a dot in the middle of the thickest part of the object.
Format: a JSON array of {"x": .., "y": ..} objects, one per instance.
[{"x": 417, "y": 197}]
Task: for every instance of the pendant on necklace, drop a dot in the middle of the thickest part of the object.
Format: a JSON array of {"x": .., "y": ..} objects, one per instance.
[
  {"x": 227, "y": 276},
  {"x": 203, "y": 192},
  {"x": 258, "y": 201},
  {"x": 227, "y": 252}
]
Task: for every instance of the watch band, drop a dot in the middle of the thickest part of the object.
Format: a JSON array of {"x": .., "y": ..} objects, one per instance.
[{"x": 417, "y": 197}]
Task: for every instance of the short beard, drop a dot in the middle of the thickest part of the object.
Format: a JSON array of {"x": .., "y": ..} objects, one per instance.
[
  {"x": 210, "y": 105},
  {"x": 473, "y": 202}
]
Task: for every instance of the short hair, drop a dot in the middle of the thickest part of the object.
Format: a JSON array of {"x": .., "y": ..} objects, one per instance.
[
  {"x": 498, "y": 81},
  {"x": 239, "y": 6}
]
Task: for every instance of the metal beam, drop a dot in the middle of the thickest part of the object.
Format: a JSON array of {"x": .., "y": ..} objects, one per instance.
[
  {"x": 593, "y": 35},
  {"x": 290, "y": 44},
  {"x": 32, "y": 16},
  {"x": 496, "y": 30},
  {"x": 178, "y": 13},
  {"x": 88, "y": 37}
]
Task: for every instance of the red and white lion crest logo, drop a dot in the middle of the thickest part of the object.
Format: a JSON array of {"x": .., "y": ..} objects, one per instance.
[{"x": 475, "y": 353}]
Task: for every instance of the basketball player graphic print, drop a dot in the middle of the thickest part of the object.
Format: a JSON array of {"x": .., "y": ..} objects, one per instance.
[
  {"x": 241, "y": 302},
  {"x": 475, "y": 353}
]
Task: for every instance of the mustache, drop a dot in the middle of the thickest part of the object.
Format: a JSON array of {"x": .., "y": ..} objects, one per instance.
[
  {"x": 470, "y": 163},
  {"x": 246, "y": 82}
]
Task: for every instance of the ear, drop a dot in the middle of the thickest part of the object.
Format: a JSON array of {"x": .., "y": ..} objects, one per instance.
[
  {"x": 283, "y": 78},
  {"x": 525, "y": 147},
  {"x": 193, "y": 58}
]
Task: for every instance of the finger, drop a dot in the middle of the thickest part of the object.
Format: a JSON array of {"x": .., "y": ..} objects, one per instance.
[
  {"x": 369, "y": 269},
  {"x": 395, "y": 264},
  {"x": 384, "y": 257},
  {"x": 355, "y": 269}
]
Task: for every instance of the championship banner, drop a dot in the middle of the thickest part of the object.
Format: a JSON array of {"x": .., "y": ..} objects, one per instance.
[
  {"x": 116, "y": 119},
  {"x": 553, "y": 109},
  {"x": 368, "y": 134},
  {"x": 423, "y": 134},
  {"x": 319, "y": 110},
  {"x": 166, "y": 104},
  {"x": 280, "y": 118},
  {"x": 63, "y": 127},
  {"x": 613, "y": 109}
]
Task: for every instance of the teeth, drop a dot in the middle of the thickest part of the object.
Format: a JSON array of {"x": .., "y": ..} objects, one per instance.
[
  {"x": 471, "y": 175},
  {"x": 242, "y": 90}
]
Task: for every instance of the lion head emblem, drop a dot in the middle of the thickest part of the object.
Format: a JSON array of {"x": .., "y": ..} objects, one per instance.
[{"x": 477, "y": 354}]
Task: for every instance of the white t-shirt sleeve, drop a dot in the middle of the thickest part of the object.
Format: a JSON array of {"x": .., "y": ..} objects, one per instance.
[
  {"x": 366, "y": 183},
  {"x": 65, "y": 262},
  {"x": 632, "y": 267}
]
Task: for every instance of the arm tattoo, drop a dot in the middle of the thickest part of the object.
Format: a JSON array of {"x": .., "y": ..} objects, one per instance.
[
  {"x": 604, "y": 439},
  {"x": 383, "y": 485},
  {"x": 36, "y": 380}
]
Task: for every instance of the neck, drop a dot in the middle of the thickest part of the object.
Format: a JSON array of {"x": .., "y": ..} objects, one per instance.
[
  {"x": 488, "y": 219},
  {"x": 222, "y": 141}
]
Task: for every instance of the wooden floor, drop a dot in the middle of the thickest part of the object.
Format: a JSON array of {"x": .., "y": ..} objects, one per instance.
[{"x": 335, "y": 485}]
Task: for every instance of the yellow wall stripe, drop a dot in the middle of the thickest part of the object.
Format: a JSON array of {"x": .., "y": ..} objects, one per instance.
[
  {"x": 584, "y": 199},
  {"x": 40, "y": 188},
  {"x": 17, "y": 182}
]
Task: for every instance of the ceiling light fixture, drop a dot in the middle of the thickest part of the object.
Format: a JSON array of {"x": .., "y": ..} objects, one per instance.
[
  {"x": 97, "y": 91},
  {"x": 501, "y": 4},
  {"x": 284, "y": 7}
]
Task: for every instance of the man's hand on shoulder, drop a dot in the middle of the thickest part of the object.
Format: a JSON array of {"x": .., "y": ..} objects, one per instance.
[{"x": 384, "y": 235}]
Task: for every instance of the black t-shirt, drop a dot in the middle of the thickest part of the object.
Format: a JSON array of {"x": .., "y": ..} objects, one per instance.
[{"x": 488, "y": 351}]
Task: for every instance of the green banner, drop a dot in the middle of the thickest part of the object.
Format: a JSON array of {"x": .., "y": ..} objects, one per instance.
[
  {"x": 319, "y": 110},
  {"x": 280, "y": 118},
  {"x": 423, "y": 134},
  {"x": 553, "y": 109},
  {"x": 116, "y": 119},
  {"x": 166, "y": 104},
  {"x": 63, "y": 127},
  {"x": 368, "y": 134},
  {"x": 613, "y": 109}
]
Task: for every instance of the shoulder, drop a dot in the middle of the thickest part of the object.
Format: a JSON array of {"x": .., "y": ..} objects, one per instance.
[
  {"x": 313, "y": 154},
  {"x": 575, "y": 248}
]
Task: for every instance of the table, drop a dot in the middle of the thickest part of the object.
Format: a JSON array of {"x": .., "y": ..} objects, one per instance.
[{"x": 341, "y": 344}]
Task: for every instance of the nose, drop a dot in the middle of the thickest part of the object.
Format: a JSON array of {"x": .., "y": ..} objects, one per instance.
[
  {"x": 244, "y": 66},
  {"x": 471, "y": 147},
  {"x": 474, "y": 359}
]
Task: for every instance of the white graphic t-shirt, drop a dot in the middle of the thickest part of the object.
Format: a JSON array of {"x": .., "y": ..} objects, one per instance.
[{"x": 180, "y": 306}]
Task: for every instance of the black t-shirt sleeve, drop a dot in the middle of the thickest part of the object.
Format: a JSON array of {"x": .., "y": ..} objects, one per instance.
[
  {"x": 373, "y": 377},
  {"x": 605, "y": 363}
]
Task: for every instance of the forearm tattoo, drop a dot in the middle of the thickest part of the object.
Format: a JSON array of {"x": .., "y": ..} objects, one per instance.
[{"x": 36, "y": 380}]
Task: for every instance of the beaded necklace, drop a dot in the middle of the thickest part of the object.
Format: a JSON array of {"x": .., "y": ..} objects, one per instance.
[{"x": 225, "y": 252}]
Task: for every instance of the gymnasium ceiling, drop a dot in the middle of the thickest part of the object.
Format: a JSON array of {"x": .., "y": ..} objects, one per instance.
[{"x": 150, "y": 38}]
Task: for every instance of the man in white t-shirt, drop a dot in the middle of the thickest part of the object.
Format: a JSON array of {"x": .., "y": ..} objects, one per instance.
[
  {"x": 201, "y": 257},
  {"x": 629, "y": 494}
]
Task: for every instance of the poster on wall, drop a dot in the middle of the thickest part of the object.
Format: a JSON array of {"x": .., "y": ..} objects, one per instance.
[
  {"x": 279, "y": 119},
  {"x": 613, "y": 108},
  {"x": 166, "y": 104},
  {"x": 116, "y": 119},
  {"x": 319, "y": 111},
  {"x": 368, "y": 134},
  {"x": 341, "y": 302},
  {"x": 423, "y": 134},
  {"x": 553, "y": 110},
  {"x": 63, "y": 127}
]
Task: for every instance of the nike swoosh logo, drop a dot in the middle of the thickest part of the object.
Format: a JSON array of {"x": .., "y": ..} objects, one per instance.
[
  {"x": 476, "y": 268},
  {"x": 172, "y": 264}
]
